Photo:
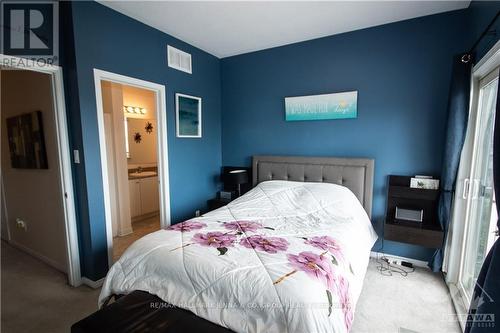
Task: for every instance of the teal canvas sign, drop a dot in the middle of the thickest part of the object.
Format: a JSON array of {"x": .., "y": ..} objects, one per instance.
[{"x": 320, "y": 107}]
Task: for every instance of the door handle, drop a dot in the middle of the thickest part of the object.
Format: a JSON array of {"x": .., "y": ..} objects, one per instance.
[{"x": 465, "y": 191}]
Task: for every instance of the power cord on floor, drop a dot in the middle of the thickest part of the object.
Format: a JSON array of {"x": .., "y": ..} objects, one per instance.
[{"x": 387, "y": 269}]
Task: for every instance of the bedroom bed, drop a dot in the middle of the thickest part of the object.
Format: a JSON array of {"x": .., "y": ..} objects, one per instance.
[{"x": 288, "y": 256}]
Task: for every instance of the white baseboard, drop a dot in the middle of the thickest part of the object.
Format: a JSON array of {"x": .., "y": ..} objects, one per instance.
[
  {"x": 415, "y": 262},
  {"x": 39, "y": 256},
  {"x": 91, "y": 283}
]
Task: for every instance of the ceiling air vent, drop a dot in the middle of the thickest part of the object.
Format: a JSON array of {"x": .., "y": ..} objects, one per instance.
[{"x": 179, "y": 59}]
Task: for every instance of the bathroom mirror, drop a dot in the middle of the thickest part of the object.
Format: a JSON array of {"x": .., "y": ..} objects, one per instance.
[{"x": 141, "y": 140}]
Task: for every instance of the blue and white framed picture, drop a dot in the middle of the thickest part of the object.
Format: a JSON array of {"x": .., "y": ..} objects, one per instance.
[
  {"x": 188, "y": 116},
  {"x": 342, "y": 105}
]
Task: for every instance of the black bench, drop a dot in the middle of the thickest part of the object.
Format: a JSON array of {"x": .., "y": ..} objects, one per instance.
[{"x": 142, "y": 312}]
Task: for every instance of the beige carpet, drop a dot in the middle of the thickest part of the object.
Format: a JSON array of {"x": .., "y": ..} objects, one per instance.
[
  {"x": 36, "y": 298},
  {"x": 417, "y": 303}
]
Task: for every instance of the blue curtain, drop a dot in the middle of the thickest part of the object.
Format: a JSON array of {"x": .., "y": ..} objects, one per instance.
[
  {"x": 485, "y": 305},
  {"x": 458, "y": 112}
]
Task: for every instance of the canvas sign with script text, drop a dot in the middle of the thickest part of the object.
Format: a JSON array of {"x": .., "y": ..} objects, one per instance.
[{"x": 321, "y": 107}]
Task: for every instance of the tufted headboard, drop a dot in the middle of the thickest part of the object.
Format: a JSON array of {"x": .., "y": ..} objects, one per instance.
[{"x": 353, "y": 173}]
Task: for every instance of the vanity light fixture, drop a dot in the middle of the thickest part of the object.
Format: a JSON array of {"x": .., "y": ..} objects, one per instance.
[{"x": 134, "y": 109}]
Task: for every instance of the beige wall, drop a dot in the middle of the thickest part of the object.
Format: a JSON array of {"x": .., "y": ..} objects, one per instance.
[
  {"x": 4, "y": 231},
  {"x": 34, "y": 195},
  {"x": 144, "y": 153},
  {"x": 107, "y": 95}
]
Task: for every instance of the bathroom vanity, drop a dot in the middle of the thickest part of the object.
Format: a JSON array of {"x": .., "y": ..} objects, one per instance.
[{"x": 144, "y": 194}]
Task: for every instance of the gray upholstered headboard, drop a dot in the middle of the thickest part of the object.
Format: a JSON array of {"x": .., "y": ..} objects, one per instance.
[{"x": 353, "y": 173}]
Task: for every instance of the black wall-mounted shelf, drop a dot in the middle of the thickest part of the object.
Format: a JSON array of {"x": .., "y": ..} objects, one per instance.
[{"x": 427, "y": 233}]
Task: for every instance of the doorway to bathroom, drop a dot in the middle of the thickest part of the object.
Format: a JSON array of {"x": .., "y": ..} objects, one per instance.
[{"x": 132, "y": 134}]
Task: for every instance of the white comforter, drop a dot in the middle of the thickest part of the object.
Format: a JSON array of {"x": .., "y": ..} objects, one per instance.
[{"x": 285, "y": 257}]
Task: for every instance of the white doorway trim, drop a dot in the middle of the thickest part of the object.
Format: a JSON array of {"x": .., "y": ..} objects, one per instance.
[
  {"x": 162, "y": 147},
  {"x": 63, "y": 147}
]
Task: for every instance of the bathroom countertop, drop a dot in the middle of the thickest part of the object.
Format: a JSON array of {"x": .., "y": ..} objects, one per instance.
[
  {"x": 142, "y": 174},
  {"x": 141, "y": 177},
  {"x": 146, "y": 172}
]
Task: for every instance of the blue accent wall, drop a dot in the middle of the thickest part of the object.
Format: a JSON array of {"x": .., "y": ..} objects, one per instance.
[
  {"x": 402, "y": 74},
  {"x": 107, "y": 40}
]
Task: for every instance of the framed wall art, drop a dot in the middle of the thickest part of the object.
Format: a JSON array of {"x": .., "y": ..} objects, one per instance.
[
  {"x": 188, "y": 116},
  {"x": 26, "y": 141}
]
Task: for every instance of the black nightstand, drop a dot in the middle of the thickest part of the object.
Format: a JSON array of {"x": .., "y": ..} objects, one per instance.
[
  {"x": 428, "y": 232},
  {"x": 216, "y": 203}
]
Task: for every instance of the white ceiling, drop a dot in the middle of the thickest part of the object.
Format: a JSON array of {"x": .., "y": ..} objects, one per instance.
[{"x": 229, "y": 28}]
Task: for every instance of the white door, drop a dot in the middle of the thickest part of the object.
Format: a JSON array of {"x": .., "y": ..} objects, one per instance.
[
  {"x": 480, "y": 196},
  {"x": 110, "y": 151}
]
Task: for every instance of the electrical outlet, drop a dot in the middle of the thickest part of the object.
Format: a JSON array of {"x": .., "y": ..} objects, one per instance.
[
  {"x": 21, "y": 224},
  {"x": 197, "y": 213}
]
